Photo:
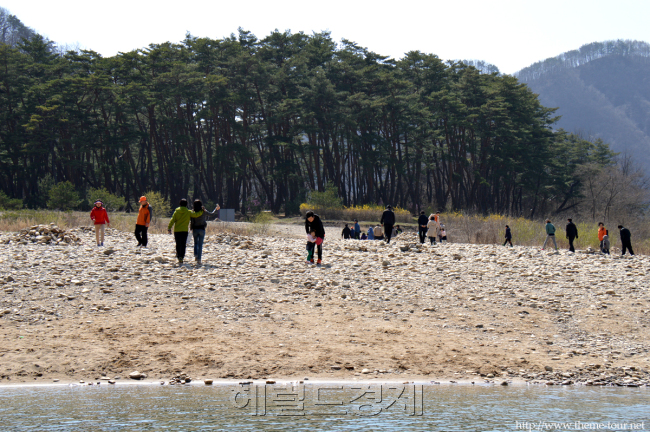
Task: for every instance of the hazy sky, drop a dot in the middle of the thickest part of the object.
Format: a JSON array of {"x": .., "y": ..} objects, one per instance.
[{"x": 511, "y": 34}]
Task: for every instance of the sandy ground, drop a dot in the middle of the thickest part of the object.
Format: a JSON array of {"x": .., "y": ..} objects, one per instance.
[{"x": 255, "y": 310}]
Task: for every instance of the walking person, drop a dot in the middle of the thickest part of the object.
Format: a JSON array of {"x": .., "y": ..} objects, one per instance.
[
  {"x": 422, "y": 226},
  {"x": 145, "y": 214},
  {"x": 346, "y": 232},
  {"x": 508, "y": 236},
  {"x": 602, "y": 232},
  {"x": 550, "y": 234},
  {"x": 180, "y": 221},
  {"x": 571, "y": 233},
  {"x": 357, "y": 230},
  {"x": 198, "y": 226},
  {"x": 99, "y": 216},
  {"x": 626, "y": 239},
  {"x": 387, "y": 221},
  {"x": 432, "y": 229},
  {"x": 313, "y": 223}
]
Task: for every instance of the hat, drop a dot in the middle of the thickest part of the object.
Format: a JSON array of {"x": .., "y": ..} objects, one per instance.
[
  {"x": 143, "y": 198},
  {"x": 388, "y": 207},
  {"x": 99, "y": 201}
]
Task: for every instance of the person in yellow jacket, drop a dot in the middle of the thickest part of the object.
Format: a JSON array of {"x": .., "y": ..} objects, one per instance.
[{"x": 180, "y": 221}]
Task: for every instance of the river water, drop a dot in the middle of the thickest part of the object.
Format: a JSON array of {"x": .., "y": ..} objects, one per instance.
[{"x": 323, "y": 407}]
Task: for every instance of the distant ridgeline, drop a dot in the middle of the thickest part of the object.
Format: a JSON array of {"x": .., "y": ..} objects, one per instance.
[
  {"x": 12, "y": 30},
  {"x": 482, "y": 66},
  {"x": 602, "y": 91},
  {"x": 583, "y": 55}
]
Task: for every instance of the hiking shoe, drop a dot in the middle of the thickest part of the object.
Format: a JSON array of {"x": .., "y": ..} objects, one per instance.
[
  {"x": 319, "y": 263},
  {"x": 198, "y": 262}
]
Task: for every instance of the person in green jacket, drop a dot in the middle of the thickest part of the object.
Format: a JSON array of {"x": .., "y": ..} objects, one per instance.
[
  {"x": 550, "y": 233},
  {"x": 180, "y": 221}
]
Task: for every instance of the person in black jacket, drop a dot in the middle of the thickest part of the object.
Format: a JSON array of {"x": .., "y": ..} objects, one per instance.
[
  {"x": 387, "y": 221},
  {"x": 508, "y": 236},
  {"x": 626, "y": 239},
  {"x": 571, "y": 233},
  {"x": 346, "y": 232},
  {"x": 313, "y": 223},
  {"x": 423, "y": 220}
]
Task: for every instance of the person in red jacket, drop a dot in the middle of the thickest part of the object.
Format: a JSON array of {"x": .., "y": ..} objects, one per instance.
[{"x": 100, "y": 216}]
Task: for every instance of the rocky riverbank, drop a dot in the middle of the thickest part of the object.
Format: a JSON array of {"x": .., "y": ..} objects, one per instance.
[{"x": 255, "y": 310}]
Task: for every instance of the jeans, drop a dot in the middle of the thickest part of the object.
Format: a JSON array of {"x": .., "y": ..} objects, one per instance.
[
  {"x": 141, "y": 235},
  {"x": 181, "y": 244},
  {"x": 550, "y": 236},
  {"x": 432, "y": 240},
  {"x": 199, "y": 235}
]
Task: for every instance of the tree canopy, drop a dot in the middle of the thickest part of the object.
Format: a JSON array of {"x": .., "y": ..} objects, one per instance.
[{"x": 235, "y": 119}]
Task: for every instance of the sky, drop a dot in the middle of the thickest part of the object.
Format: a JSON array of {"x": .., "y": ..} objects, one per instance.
[{"x": 510, "y": 34}]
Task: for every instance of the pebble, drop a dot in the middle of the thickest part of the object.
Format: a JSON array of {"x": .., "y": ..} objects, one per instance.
[{"x": 137, "y": 375}]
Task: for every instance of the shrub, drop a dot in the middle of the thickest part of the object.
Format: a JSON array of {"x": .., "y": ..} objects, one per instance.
[
  {"x": 111, "y": 201},
  {"x": 326, "y": 199},
  {"x": 159, "y": 204},
  {"x": 368, "y": 213},
  {"x": 63, "y": 196},
  {"x": 7, "y": 203}
]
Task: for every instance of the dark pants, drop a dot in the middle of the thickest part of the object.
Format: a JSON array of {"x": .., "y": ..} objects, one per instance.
[
  {"x": 181, "y": 243},
  {"x": 141, "y": 235},
  {"x": 571, "y": 239},
  {"x": 433, "y": 240},
  {"x": 508, "y": 240},
  {"x": 627, "y": 245},
  {"x": 319, "y": 251},
  {"x": 422, "y": 232},
  {"x": 388, "y": 232}
]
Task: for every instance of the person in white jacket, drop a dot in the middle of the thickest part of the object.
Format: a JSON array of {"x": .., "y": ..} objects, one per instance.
[{"x": 432, "y": 229}]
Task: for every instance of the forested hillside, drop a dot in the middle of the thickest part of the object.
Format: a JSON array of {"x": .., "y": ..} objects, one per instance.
[
  {"x": 602, "y": 91},
  {"x": 240, "y": 120}
]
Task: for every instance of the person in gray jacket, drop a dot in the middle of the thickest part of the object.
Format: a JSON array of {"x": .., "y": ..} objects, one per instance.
[{"x": 198, "y": 226}]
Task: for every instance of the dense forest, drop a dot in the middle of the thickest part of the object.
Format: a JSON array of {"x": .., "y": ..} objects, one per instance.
[
  {"x": 602, "y": 91},
  {"x": 239, "y": 120}
]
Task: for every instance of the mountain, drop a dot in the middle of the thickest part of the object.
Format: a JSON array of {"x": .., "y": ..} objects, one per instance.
[
  {"x": 602, "y": 91},
  {"x": 12, "y": 30}
]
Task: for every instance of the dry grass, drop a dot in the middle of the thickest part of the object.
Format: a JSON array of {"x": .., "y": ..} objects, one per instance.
[{"x": 17, "y": 220}]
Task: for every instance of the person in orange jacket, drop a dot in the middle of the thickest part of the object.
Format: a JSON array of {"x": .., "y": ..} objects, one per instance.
[
  {"x": 602, "y": 232},
  {"x": 142, "y": 224},
  {"x": 99, "y": 215}
]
